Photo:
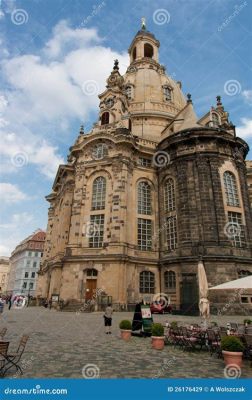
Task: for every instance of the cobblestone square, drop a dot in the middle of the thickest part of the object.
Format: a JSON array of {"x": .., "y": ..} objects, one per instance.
[{"x": 63, "y": 344}]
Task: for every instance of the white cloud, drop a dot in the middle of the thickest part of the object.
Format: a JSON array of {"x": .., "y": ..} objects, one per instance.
[
  {"x": 247, "y": 95},
  {"x": 11, "y": 193},
  {"x": 17, "y": 153},
  {"x": 245, "y": 130},
  {"x": 45, "y": 94},
  {"x": 18, "y": 220}
]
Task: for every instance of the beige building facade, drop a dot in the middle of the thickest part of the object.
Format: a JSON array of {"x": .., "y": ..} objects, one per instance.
[
  {"x": 4, "y": 274},
  {"x": 146, "y": 194}
]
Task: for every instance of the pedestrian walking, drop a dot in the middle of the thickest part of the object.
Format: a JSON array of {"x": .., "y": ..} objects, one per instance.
[
  {"x": 108, "y": 319},
  {"x": 1, "y": 305},
  {"x": 9, "y": 302}
]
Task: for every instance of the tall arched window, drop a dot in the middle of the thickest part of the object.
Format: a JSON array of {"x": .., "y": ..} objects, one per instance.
[
  {"x": 167, "y": 93},
  {"x": 148, "y": 50},
  {"x": 105, "y": 118},
  {"x": 147, "y": 282},
  {"x": 99, "y": 193},
  {"x": 134, "y": 53},
  {"x": 169, "y": 195},
  {"x": 144, "y": 198},
  {"x": 231, "y": 189},
  {"x": 129, "y": 92},
  {"x": 170, "y": 279},
  {"x": 215, "y": 120}
]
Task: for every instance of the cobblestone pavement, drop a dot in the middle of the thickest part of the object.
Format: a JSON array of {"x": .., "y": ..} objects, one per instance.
[{"x": 61, "y": 344}]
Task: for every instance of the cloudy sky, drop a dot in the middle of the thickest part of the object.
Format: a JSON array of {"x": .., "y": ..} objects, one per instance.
[{"x": 55, "y": 57}]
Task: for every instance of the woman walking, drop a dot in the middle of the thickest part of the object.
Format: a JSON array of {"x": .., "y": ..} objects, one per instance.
[{"x": 108, "y": 319}]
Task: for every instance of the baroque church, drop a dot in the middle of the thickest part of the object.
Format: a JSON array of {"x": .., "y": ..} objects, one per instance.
[{"x": 147, "y": 193}]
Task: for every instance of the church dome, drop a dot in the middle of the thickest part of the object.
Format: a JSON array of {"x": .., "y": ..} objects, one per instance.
[{"x": 154, "y": 97}]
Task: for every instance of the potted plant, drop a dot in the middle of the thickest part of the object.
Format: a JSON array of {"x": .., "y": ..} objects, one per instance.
[
  {"x": 247, "y": 321},
  {"x": 232, "y": 350},
  {"x": 174, "y": 325},
  {"x": 157, "y": 336},
  {"x": 125, "y": 327}
]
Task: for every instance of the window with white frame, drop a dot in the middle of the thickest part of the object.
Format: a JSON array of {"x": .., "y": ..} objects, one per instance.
[
  {"x": 231, "y": 191},
  {"x": 96, "y": 230},
  {"x": 144, "y": 234},
  {"x": 171, "y": 232},
  {"x": 235, "y": 229},
  {"x": 147, "y": 282},
  {"x": 170, "y": 279},
  {"x": 99, "y": 193},
  {"x": 100, "y": 151},
  {"x": 167, "y": 93},
  {"x": 144, "y": 198},
  {"x": 215, "y": 120},
  {"x": 169, "y": 195},
  {"x": 129, "y": 92}
]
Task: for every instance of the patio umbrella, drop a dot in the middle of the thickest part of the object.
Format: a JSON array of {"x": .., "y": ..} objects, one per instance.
[{"x": 203, "y": 292}]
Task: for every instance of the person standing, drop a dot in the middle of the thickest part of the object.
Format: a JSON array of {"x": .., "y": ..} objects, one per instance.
[
  {"x": 9, "y": 302},
  {"x": 108, "y": 319}
]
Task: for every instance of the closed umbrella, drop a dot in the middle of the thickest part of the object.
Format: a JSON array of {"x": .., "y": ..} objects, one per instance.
[{"x": 203, "y": 292}]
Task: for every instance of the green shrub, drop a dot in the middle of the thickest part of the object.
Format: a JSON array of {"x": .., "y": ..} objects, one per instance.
[
  {"x": 231, "y": 343},
  {"x": 174, "y": 324},
  {"x": 157, "y": 330},
  {"x": 125, "y": 324},
  {"x": 247, "y": 321}
]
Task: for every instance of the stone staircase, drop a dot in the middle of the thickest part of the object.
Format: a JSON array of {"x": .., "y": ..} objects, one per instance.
[{"x": 77, "y": 306}]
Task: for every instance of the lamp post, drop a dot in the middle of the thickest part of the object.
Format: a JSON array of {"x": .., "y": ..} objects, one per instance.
[{"x": 30, "y": 283}]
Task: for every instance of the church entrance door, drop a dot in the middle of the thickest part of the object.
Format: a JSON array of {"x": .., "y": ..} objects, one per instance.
[{"x": 91, "y": 289}]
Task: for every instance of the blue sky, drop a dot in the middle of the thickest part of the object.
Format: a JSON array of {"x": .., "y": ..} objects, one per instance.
[{"x": 51, "y": 50}]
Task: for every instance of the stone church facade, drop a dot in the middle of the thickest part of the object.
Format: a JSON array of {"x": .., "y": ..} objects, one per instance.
[{"x": 147, "y": 193}]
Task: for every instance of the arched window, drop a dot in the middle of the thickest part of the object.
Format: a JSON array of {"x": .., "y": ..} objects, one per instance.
[
  {"x": 169, "y": 195},
  {"x": 144, "y": 198},
  {"x": 129, "y": 92},
  {"x": 105, "y": 118},
  {"x": 99, "y": 193},
  {"x": 148, "y": 50},
  {"x": 147, "y": 282},
  {"x": 100, "y": 151},
  {"x": 134, "y": 53},
  {"x": 91, "y": 272},
  {"x": 215, "y": 120},
  {"x": 171, "y": 232},
  {"x": 167, "y": 93},
  {"x": 170, "y": 279},
  {"x": 231, "y": 189}
]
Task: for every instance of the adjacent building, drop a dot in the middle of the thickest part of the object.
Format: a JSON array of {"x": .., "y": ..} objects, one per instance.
[
  {"x": 25, "y": 264},
  {"x": 147, "y": 193},
  {"x": 249, "y": 180},
  {"x": 4, "y": 274}
]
